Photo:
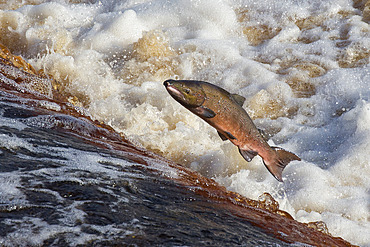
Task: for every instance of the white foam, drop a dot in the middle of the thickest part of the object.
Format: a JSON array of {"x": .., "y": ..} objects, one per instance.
[
  {"x": 26, "y": 235},
  {"x": 12, "y": 123},
  {"x": 14, "y": 143},
  {"x": 50, "y": 105},
  {"x": 109, "y": 30},
  {"x": 10, "y": 194}
]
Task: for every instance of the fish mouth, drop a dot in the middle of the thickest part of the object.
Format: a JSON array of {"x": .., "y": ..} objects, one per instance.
[
  {"x": 173, "y": 91},
  {"x": 167, "y": 82}
]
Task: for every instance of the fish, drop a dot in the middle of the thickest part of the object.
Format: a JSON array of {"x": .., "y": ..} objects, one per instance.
[{"x": 224, "y": 111}]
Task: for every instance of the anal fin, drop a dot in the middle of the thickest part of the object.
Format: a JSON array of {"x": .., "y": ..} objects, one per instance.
[{"x": 248, "y": 155}]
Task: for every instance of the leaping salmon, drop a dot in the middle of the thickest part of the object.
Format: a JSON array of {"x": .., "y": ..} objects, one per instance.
[{"x": 224, "y": 111}]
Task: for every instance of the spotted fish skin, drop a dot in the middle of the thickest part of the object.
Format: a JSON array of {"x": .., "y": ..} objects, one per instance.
[{"x": 224, "y": 111}]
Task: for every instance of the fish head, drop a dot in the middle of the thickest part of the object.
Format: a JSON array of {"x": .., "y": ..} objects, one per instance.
[{"x": 188, "y": 93}]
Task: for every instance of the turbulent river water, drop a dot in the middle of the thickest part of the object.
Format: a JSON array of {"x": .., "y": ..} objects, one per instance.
[{"x": 303, "y": 67}]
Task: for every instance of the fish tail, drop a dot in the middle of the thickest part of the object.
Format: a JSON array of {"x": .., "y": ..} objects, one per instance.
[{"x": 277, "y": 166}]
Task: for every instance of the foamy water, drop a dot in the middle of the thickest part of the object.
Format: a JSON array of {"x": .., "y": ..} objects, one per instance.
[{"x": 302, "y": 65}]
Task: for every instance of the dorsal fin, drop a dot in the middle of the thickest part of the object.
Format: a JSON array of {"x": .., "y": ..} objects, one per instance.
[
  {"x": 265, "y": 136},
  {"x": 238, "y": 99}
]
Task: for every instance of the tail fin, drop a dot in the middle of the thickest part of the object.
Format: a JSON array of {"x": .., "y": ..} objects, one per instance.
[{"x": 277, "y": 166}]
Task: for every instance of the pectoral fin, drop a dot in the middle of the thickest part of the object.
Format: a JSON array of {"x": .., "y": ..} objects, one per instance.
[
  {"x": 204, "y": 112},
  {"x": 248, "y": 155}
]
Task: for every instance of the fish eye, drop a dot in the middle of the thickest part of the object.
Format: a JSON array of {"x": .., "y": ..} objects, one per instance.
[{"x": 187, "y": 90}]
